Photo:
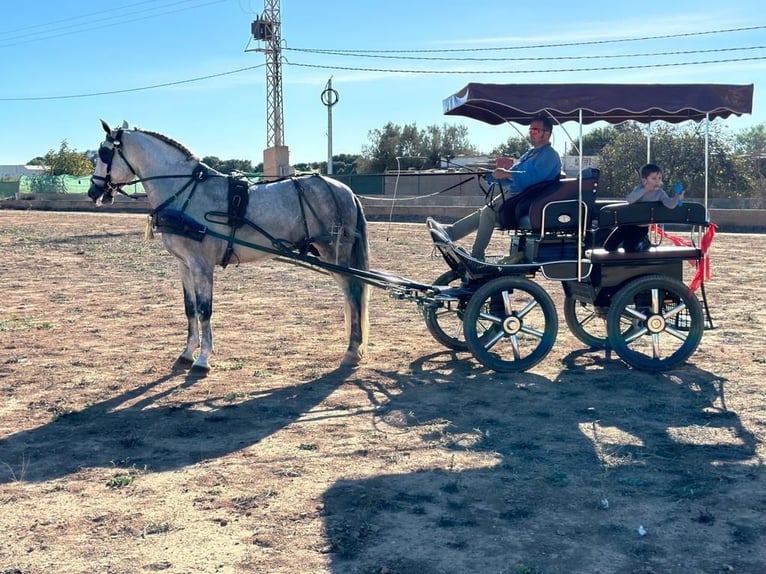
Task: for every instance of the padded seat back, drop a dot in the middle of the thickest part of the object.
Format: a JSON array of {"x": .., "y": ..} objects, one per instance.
[
  {"x": 519, "y": 203},
  {"x": 563, "y": 210},
  {"x": 551, "y": 205},
  {"x": 646, "y": 212}
]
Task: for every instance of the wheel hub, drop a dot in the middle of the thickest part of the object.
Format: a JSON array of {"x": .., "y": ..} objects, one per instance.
[
  {"x": 511, "y": 325},
  {"x": 655, "y": 324}
]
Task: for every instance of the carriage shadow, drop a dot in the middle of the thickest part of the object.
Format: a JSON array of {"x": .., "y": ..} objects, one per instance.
[
  {"x": 151, "y": 427},
  {"x": 561, "y": 469}
]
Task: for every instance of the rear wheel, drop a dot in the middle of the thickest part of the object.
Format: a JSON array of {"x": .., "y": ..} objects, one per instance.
[
  {"x": 586, "y": 322},
  {"x": 510, "y": 324},
  {"x": 666, "y": 323}
]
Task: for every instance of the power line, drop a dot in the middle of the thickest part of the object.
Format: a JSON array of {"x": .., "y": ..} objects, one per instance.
[
  {"x": 127, "y": 90},
  {"x": 537, "y": 58},
  {"x": 537, "y": 46},
  {"x": 98, "y": 25},
  {"x": 537, "y": 71},
  {"x": 99, "y": 14}
]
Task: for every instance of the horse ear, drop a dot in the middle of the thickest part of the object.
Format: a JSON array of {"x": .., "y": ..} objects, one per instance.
[
  {"x": 106, "y": 127},
  {"x": 124, "y": 125}
]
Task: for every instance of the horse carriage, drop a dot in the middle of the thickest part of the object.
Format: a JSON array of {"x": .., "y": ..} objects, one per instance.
[{"x": 636, "y": 304}]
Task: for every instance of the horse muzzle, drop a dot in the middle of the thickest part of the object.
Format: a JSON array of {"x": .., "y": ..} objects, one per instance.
[{"x": 100, "y": 193}]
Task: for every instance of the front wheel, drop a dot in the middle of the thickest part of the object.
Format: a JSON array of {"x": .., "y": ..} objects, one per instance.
[
  {"x": 444, "y": 318},
  {"x": 666, "y": 323},
  {"x": 510, "y": 324}
]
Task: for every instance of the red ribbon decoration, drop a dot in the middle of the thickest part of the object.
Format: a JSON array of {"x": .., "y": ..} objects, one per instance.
[{"x": 704, "y": 272}]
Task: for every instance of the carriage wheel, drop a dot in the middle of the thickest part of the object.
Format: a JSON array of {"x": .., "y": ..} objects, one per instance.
[
  {"x": 586, "y": 322},
  {"x": 510, "y": 324},
  {"x": 444, "y": 319},
  {"x": 666, "y": 323}
]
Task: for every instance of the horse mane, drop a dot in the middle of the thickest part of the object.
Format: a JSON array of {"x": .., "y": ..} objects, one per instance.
[{"x": 170, "y": 141}]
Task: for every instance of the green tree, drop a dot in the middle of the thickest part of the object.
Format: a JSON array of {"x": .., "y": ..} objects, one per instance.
[
  {"x": 228, "y": 165},
  {"x": 67, "y": 161},
  {"x": 404, "y": 147},
  {"x": 593, "y": 141},
  {"x": 680, "y": 151},
  {"x": 514, "y": 146},
  {"x": 750, "y": 145}
]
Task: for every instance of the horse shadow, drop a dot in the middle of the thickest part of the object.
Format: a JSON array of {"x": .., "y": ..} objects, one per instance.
[
  {"x": 146, "y": 428},
  {"x": 535, "y": 472}
]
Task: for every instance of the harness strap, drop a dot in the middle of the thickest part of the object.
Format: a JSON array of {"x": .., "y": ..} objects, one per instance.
[{"x": 199, "y": 174}]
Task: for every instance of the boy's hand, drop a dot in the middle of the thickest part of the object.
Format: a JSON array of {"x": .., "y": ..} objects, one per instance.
[{"x": 679, "y": 190}]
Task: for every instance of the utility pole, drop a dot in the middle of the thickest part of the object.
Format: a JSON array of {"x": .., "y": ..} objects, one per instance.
[
  {"x": 329, "y": 99},
  {"x": 267, "y": 29}
]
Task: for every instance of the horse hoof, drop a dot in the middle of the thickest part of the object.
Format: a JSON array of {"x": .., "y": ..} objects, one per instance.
[
  {"x": 182, "y": 364},
  {"x": 198, "y": 371},
  {"x": 351, "y": 359}
]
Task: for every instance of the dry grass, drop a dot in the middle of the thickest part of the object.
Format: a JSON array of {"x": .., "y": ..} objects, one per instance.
[{"x": 418, "y": 462}]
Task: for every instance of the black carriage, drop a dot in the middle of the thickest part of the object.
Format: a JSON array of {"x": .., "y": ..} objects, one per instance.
[{"x": 636, "y": 304}]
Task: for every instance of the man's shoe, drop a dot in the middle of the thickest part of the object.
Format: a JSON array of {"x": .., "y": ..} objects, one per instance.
[{"x": 433, "y": 224}]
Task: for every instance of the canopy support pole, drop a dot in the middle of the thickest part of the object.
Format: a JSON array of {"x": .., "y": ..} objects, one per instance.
[
  {"x": 707, "y": 154},
  {"x": 581, "y": 224}
]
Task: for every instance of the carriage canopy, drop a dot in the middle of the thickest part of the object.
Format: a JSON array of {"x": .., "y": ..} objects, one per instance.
[{"x": 614, "y": 103}]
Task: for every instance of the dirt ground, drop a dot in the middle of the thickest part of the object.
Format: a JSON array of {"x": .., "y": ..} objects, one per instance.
[{"x": 418, "y": 462}]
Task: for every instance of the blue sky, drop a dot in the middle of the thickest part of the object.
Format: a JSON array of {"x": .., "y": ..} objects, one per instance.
[{"x": 56, "y": 55}]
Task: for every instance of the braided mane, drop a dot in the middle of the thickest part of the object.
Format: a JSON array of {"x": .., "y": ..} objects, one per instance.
[{"x": 176, "y": 144}]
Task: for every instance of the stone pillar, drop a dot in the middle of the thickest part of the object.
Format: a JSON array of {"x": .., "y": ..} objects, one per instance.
[{"x": 276, "y": 163}]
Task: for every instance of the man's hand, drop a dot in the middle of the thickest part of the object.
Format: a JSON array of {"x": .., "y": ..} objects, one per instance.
[{"x": 505, "y": 162}]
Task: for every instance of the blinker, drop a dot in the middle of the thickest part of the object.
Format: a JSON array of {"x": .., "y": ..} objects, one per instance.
[{"x": 106, "y": 154}]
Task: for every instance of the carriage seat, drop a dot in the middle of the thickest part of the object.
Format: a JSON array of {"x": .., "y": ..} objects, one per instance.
[{"x": 551, "y": 206}]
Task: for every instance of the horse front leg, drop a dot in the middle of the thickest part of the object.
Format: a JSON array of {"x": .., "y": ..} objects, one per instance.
[{"x": 202, "y": 279}]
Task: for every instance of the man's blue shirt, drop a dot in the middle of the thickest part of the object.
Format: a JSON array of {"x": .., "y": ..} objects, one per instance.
[{"x": 536, "y": 165}]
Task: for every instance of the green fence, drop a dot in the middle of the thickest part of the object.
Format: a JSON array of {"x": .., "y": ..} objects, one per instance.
[
  {"x": 53, "y": 184},
  {"x": 8, "y": 188}
]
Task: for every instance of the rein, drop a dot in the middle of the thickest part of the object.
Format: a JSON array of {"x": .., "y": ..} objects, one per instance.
[{"x": 200, "y": 174}]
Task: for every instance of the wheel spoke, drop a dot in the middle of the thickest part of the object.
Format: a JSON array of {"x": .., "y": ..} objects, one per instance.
[
  {"x": 656, "y": 303},
  {"x": 634, "y": 333},
  {"x": 537, "y": 333},
  {"x": 527, "y": 309},
  {"x": 656, "y": 346},
  {"x": 493, "y": 339},
  {"x": 515, "y": 348},
  {"x": 588, "y": 318},
  {"x": 680, "y": 335}
]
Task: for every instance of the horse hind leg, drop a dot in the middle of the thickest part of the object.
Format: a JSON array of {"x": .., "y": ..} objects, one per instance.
[
  {"x": 356, "y": 297},
  {"x": 186, "y": 359}
]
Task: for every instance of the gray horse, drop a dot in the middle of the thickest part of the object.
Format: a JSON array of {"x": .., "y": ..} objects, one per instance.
[{"x": 208, "y": 218}]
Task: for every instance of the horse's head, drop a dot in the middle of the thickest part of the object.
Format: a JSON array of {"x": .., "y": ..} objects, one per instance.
[{"x": 112, "y": 169}]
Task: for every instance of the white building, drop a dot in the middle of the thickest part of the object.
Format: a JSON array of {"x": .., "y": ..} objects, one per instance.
[{"x": 14, "y": 172}]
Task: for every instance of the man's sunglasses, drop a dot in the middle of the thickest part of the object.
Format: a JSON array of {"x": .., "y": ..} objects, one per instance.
[{"x": 536, "y": 130}]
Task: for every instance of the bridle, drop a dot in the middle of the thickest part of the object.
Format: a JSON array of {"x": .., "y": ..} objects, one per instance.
[{"x": 104, "y": 187}]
